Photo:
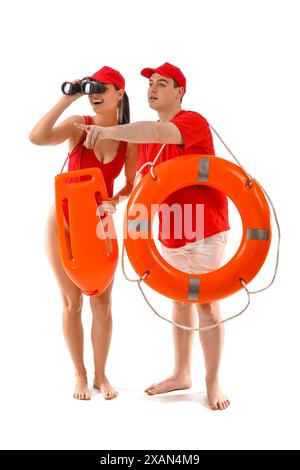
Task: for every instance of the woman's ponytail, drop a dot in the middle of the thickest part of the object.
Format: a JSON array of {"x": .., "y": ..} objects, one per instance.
[{"x": 124, "y": 110}]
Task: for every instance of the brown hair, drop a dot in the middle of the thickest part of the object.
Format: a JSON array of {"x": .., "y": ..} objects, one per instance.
[
  {"x": 176, "y": 85},
  {"x": 123, "y": 109}
]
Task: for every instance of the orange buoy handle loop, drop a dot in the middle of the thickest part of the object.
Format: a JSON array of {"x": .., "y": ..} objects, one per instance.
[
  {"x": 244, "y": 285},
  {"x": 250, "y": 182},
  {"x": 140, "y": 279},
  {"x": 144, "y": 276}
]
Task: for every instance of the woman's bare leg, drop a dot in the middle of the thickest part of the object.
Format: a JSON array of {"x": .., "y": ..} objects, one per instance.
[
  {"x": 72, "y": 306},
  {"x": 101, "y": 336}
]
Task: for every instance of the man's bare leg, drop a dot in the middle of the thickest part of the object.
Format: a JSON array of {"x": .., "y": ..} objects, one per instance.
[
  {"x": 212, "y": 345},
  {"x": 184, "y": 314}
]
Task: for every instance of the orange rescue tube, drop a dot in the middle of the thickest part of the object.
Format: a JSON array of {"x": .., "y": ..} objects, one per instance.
[
  {"x": 90, "y": 255},
  {"x": 186, "y": 171}
]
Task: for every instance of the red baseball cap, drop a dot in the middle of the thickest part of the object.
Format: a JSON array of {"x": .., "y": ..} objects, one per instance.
[
  {"x": 109, "y": 75},
  {"x": 169, "y": 71}
]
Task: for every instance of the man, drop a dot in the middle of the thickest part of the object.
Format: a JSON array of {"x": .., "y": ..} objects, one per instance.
[{"x": 183, "y": 132}]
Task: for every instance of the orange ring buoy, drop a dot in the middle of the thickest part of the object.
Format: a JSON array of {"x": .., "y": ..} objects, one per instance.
[
  {"x": 93, "y": 259},
  {"x": 186, "y": 171}
]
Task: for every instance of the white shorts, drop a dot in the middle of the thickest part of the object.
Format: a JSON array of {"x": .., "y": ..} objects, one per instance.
[{"x": 199, "y": 257}]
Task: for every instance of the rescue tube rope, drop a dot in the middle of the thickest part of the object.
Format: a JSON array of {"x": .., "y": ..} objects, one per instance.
[{"x": 248, "y": 292}]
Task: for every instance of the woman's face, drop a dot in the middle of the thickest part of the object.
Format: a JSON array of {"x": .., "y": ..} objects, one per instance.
[{"x": 107, "y": 101}]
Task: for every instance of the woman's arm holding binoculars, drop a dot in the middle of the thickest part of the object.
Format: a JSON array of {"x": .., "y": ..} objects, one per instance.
[{"x": 44, "y": 132}]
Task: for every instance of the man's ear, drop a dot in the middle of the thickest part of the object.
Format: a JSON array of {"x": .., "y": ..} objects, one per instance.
[{"x": 181, "y": 92}]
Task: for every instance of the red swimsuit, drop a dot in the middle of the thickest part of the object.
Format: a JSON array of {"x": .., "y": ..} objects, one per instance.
[{"x": 82, "y": 157}]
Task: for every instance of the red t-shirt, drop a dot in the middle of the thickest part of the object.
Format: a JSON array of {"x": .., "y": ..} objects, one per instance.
[
  {"x": 81, "y": 157},
  {"x": 206, "y": 210}
]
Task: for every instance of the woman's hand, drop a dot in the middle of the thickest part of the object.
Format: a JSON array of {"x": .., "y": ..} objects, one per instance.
[
  {"x": 108, "y": 206},
  {"x": 72, "y": 98},
  {"x": 94, "y": 134}
]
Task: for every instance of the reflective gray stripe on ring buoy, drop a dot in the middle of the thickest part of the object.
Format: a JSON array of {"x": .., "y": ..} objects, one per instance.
[
  {"x": 257, "y": 234},
  {"x": 194, "y": 287},
  {"x": 138, "y": 225},
  {"x": 203, "y": 169}
]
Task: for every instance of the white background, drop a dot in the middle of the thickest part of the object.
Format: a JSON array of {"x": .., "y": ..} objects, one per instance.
[{"x": 241, "y": 61}]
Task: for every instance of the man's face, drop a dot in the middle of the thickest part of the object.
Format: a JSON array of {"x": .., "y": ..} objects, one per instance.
[{"x": 162, "y": 93}]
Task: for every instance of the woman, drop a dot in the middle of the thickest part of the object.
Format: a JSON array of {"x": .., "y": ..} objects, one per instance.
[{"x": 111, "y": 107}]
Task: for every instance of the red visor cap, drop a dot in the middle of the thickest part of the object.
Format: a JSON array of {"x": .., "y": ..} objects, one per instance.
[
  {"x": 109, "y": 75},
  {"x": 167, "y": 70}
]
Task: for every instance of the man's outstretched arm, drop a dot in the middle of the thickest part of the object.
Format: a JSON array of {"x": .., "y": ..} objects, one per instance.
[{"x": 143, "y": 132}]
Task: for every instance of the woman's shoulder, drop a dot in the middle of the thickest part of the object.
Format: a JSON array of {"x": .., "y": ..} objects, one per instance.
[
  {"x": 73, "y": 130},
  {"x": 77, "y": 133},
  {"x": 76, "y": 118}
]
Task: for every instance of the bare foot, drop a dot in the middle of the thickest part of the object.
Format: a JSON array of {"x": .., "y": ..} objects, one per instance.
[
  {"x": 105, "y": 388},
  {"x": 216, "y": 398},
  {"x": 175, "y": 382},
  {"x": 81, "y": 391}
]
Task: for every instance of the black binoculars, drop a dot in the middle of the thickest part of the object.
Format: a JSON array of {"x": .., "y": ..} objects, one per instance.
[{"x": 86, "y": 86}]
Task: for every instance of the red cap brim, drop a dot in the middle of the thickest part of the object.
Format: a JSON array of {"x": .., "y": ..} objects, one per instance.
[{"x": 147, "y": 72}]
